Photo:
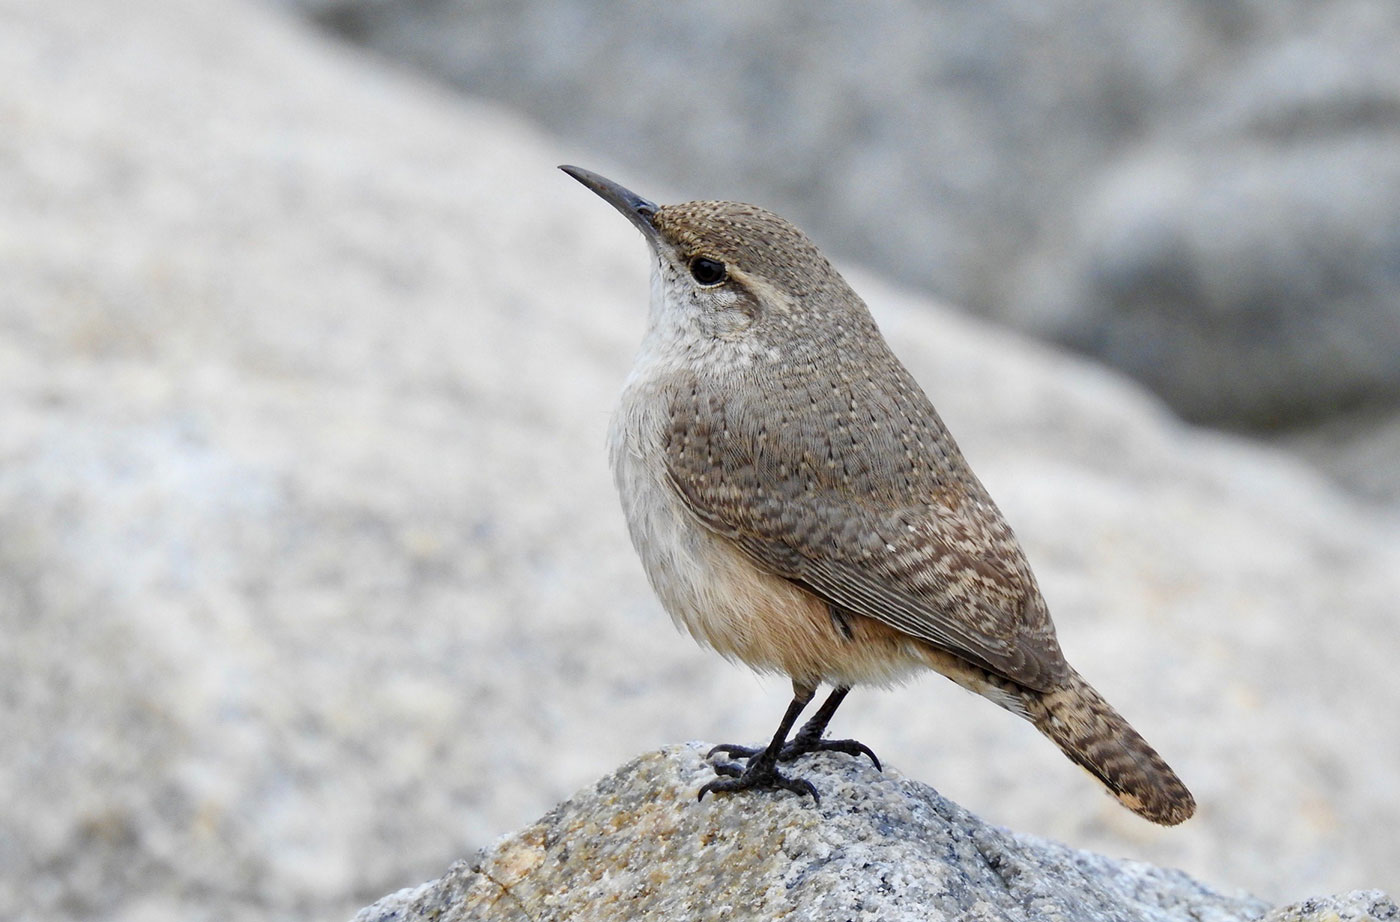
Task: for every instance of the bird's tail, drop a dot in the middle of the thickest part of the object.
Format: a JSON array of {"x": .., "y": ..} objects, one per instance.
[{"x": 1093, "y": 734}]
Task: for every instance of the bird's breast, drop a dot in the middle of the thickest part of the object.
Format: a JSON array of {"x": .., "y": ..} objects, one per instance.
[{"x": 715, "y": 591}]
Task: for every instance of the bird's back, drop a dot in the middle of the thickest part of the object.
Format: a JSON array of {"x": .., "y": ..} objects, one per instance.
[{"x": 827, "y": 464}]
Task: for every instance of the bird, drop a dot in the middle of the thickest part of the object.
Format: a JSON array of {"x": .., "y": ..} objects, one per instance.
[{"x": 798, "y": 505}]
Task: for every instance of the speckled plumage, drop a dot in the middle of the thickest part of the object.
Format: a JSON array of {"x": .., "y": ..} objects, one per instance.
[{"x": 798, "y": 504}]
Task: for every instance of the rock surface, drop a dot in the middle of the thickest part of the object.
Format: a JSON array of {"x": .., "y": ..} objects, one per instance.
[
  {"x": 1361, "y": 451},
  {"x": 1356, "y": 906},
  {"x": 311, "y": 572},
  {"x": 1203, "y": 194},
  {"x": 878, "y": 846}
]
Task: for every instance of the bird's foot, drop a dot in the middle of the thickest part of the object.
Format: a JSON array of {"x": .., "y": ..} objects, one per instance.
[
  {"x": 799, "y": 746},
  {"x": 760, "y": 773}
]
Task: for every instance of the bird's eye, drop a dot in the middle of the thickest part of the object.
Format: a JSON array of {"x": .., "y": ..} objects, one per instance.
[{"x": 707, "y": 271}]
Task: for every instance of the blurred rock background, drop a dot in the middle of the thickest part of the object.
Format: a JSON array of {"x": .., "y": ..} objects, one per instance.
[
  {"x": 1205, "y": 195},
  {"x": 311, "y": 575}
]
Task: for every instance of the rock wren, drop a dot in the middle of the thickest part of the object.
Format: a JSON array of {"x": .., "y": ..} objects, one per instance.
[{"x": 798, "y": 504}]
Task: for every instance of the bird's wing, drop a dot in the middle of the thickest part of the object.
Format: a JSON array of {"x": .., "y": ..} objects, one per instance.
[{"x": 933, "y": 559}]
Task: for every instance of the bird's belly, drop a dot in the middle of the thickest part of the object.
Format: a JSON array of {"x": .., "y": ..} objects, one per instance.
[{"x": 728, "y": 603}]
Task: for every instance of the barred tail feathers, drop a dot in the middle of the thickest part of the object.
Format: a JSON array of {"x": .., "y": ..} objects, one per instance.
[{"x": 1091, "y": 733}]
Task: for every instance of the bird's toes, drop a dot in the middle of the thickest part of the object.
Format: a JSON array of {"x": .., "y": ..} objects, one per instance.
[
  {"x": 759, "y": 775},
  {"x": 733, "y": 749},
  {"x": 731, "y": 769},
  {"x": 850, "y": 747}
]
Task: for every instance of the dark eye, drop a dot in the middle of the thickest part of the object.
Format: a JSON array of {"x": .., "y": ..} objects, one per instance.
[{"x": 707, "y": 271}]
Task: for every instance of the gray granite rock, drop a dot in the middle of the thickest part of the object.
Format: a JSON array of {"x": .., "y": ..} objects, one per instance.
[
  {"x": 1360, "y": 451},
  {"x": 1356, "y": 906},
  {"x": 1241, "y": 260},
  {"x": 312, "y": 576},
  {"x": 1203, "y": 194},
  {"x": 879, "y": 846}
]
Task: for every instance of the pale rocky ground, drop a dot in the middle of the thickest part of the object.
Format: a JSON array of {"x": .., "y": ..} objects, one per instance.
[
  {"x": 879, "y": 846},
  {"x": 312, "y": 579}
]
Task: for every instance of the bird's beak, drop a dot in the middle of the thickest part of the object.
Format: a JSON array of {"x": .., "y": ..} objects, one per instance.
[{"x": 634, "y": 208}]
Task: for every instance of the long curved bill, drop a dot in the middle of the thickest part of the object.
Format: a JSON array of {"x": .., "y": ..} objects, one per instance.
[{"x": 634, "y": 208}]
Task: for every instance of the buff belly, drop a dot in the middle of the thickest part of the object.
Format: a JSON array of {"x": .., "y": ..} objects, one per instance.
[{"x": 728, "y": 603}]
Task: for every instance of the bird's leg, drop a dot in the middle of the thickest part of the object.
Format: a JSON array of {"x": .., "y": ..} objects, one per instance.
[
  {"x": 809, "y": 738},
  {"x": 761, "y": 769}
]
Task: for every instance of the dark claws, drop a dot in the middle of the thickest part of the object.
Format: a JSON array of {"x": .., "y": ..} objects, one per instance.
[
  {"x": 770, "y": 779},
  {"x": 732, "y": 769},
  {"x": 761, "y": 773},
  {"x": 733, "y": 749},
  {"x": 800, "y": 747},
  {"x": 849, "y": 747},
  {"x": 760, "y": 770}
]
